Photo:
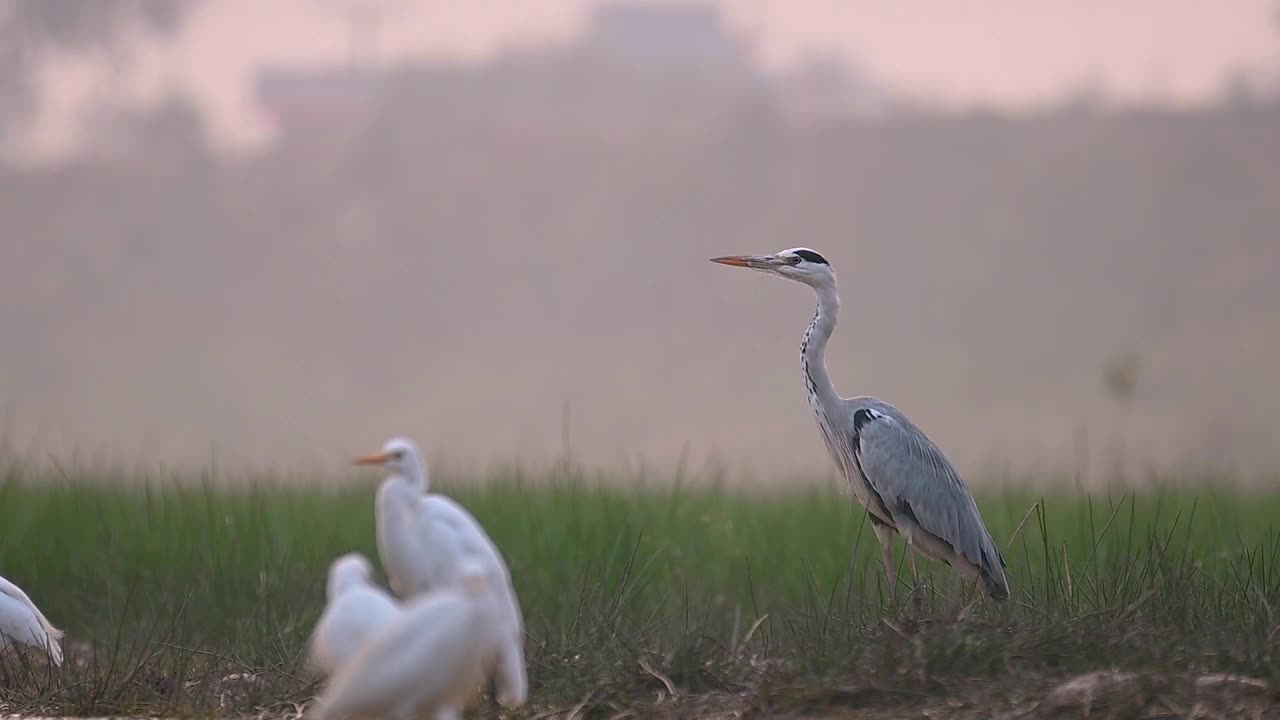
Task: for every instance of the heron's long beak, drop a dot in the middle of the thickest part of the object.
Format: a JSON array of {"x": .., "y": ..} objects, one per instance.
[
  {"x": 755, "y": 262},
  {"x": 377, "y": 458}
]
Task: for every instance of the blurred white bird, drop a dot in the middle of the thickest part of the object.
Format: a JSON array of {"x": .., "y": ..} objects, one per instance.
[
  {"x": 22, "y": 622},
  {"x": 357, "y": 609},
  {"x": 428, "y": 661},
  {"x": 423, "y": 540}
]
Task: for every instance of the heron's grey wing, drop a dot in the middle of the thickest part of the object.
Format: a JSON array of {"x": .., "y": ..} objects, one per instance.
[{"x": 915, "y": 480}]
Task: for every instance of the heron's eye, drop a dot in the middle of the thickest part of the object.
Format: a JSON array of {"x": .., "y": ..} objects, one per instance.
[
  {"x": 397, "y": 455},
  {"x": 812, "y": 257},
  {"x": 793, "y": 259}
]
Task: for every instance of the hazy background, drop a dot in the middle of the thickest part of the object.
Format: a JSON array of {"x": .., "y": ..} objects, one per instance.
[{"x": 281, "y": 232}]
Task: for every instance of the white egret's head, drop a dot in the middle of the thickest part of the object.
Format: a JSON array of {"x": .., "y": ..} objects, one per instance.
[
  {"x": 800, "y": 264},
  {"x": 399, "y": 455},
  {"x": 349, "y": 571}
]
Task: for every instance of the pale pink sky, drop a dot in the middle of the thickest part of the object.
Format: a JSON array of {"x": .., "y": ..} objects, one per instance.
[{"x": 1011, "y": 52}]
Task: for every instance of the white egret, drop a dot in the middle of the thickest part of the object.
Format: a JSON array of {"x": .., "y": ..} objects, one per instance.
[
  {"x": 429, "y": 661},
  {"x": 357, "y": 609},
  {"x": 423, "y": 539},
  {"x": 22, "y": 622}
]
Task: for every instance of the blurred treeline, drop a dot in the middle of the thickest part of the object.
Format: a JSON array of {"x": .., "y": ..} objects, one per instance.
[{"x": 507, "y": 259}]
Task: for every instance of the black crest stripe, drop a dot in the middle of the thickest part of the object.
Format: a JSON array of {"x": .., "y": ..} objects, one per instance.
[{"x": 812, "y": 257}]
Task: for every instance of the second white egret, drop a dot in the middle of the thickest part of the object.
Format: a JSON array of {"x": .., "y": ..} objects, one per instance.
[
  {"x": 429, "y": 661},
  {"x": 357, "y": 609}
]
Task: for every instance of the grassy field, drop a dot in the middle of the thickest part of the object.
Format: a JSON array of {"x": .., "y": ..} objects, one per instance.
[{"x": 674, "y": 600}]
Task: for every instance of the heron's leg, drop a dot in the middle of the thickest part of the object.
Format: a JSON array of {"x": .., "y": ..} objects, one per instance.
[
  {"x": 956, "y": 611},
  {"x": 494, "y": 713},
  {"x": 957, "y": 590},
  {"x": 917, "y": 587},
  {"x": 413, "y": 712},
  {"x": 885, "y": 535},
  {"x": 959, "y": 608}
]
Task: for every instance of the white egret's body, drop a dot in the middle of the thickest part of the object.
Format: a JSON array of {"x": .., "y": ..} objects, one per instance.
[
  {"x": 417, "y": 554},
  {"x": 357, "y": 609},
  {"x": 474, "y": 544},
  {"x": 429, "y": 661},
  {"x": 22, "y": 622},
  {"x": 424, "y": 540}
]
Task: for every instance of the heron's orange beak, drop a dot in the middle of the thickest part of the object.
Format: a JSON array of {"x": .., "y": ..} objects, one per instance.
[
  {"x": 755, "y": 262},
  {"x": 373, "y": 459}
]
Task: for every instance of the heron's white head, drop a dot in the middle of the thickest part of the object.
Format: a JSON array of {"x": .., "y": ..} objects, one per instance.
[
  {"x": 400, "y": 456},
  {"x": 349, "y": 571},
  {"x": 800, "y": 264}
]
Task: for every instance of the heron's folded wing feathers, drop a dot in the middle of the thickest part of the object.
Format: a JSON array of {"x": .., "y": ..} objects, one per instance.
[{"x": 913, "y": 476}]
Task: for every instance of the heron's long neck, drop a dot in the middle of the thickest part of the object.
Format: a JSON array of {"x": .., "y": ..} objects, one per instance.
[{"x": 813, "y": 350}]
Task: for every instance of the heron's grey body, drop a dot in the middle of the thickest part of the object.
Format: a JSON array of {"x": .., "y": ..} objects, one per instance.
[{"x": 900, "y": 476}]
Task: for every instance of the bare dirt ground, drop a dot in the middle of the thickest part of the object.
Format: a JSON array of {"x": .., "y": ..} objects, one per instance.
[{"x": 1102, "y": 695}]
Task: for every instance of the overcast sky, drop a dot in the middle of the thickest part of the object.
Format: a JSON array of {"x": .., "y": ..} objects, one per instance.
[{"x": 1009, "y": 52}]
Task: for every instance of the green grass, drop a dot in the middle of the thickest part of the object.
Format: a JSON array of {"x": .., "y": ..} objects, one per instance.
[{"x": 167, "y": 588}]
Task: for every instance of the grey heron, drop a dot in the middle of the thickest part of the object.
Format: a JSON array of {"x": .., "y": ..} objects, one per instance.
[{"x": 900, "y": 476}]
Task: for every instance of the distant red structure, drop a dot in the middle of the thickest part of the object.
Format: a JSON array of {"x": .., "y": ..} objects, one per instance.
[
  {"x": 583, "y": 85},
  {"x": 308, "y": 101}
]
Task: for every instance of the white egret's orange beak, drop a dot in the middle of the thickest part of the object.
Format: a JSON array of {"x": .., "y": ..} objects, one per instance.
[{"x": 378, "y": 458}]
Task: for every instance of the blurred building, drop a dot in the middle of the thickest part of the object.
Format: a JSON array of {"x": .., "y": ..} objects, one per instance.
[
  {"x": 637, "y": 68},
  {"x": 308, "y": 102},
  {"x": 646, "y": 38},
  {"x": 823, "y": 88}
]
